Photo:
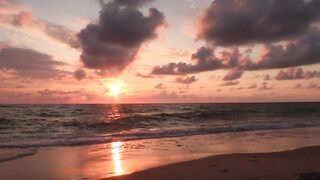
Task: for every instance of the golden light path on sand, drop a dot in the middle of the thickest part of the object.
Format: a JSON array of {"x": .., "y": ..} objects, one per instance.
[{"x": 116, "y": 149}]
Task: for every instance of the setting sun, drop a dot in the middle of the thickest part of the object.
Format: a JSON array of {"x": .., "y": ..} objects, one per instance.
[{"x": 116, "y": 88}]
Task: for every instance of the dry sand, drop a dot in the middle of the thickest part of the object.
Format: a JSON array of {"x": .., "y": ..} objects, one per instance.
[{"x": 279, "y": 165}]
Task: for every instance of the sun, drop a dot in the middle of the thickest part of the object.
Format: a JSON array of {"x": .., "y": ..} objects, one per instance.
[{"x": 116, "y": 88}]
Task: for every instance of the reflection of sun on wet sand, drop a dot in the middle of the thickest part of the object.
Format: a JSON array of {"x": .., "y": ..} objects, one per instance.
[{"x": 116, "y": 148}]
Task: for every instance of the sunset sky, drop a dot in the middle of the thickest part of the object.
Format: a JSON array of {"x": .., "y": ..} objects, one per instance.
[{"x": 162, "y": 51}]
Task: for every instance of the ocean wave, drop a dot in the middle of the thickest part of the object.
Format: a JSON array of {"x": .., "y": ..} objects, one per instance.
[
  {"x": 8, "y": 156},
  {"x": 138, "y": 135},
  {"x": 72, "y": 125}
]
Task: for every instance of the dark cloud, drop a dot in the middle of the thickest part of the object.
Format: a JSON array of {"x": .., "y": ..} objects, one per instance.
[
  {"x": 130, "y": 2},
  {"x": 28, "y": 63},
  {"x": 80, "y": 74},
  {"x": 296, "y": 73},
  {"x": 236, "y": 22},
  {"x": 113, "y": 42},
  {"x": 186, "y": 80},
  {"x": 233, "y": 75},
  {"x": 303, "y": 51},
  {"x": 205, "y": 60}
]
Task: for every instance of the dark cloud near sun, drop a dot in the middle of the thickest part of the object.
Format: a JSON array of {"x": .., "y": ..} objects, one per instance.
[
  {"x": 238, "y": 22},
  {"x": 186, "y": 80},
  {"x": 28, "y": 63},
  {"x": 112, "y": 43}
]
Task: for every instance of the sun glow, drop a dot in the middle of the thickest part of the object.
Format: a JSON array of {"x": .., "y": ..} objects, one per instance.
[{"x": 116, "y": 88}]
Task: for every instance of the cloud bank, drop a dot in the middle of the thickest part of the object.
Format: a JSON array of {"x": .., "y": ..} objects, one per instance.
[
  {"x": 28, "y": 63},
  {"x": 302, "y": 51},
  {"x": 297, "y": 73},
  {"x": 237, "y": 22},
  {"x": 186, "y": 80}
]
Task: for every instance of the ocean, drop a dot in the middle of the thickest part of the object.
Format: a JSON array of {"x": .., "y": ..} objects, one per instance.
[{"x": 27, "y": 126}]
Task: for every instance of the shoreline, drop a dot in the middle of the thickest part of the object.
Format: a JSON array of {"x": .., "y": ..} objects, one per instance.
[{"x": 293, "y": 164}]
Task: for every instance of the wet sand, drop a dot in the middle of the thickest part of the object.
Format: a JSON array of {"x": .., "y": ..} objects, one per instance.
[{"x": 278, "y": 165}]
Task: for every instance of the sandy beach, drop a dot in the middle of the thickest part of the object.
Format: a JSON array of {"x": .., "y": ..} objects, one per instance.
[{"x": 294, "y": 164}]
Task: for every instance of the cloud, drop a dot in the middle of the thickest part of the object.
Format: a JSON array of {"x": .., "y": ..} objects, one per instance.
[
  {"x": 15, "y": 14},
  {"x": 252, "y": 86},
  {"x": 9, "y": 6},
  {"x": 112, "y": 43},
  {"x": 159, "y": 86},
  {"x": 310, "y": 86},
  {"x": 313, "y": 86},
  {"x": 296, "y": 73},
  {"x": 65, "y": 96},
  {"x": 233, "y": 75},
  {"x": 132, "y": 3},
  {"x": 52, "y": 96},
  {"x": 237, "y": 22},
  {"x": 80, "y": 74},
  {"x": 166, "y": 95},
  {"x": 187, "y": 80},
  {"x": 229, "y": 83},
  {"x": 266, "y": 77},
  {"x": 265, "y": 86},
  {"x": 297, "y": 86},
  {"x": 204, "y": 58},
  {"x": 28, "y": 63},
  {"x": 146, "y": 76},
  {"x": 303, "y": 51}
]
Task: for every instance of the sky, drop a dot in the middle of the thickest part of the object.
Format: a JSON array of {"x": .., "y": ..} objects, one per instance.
[{"x": 159, "y": 51}]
